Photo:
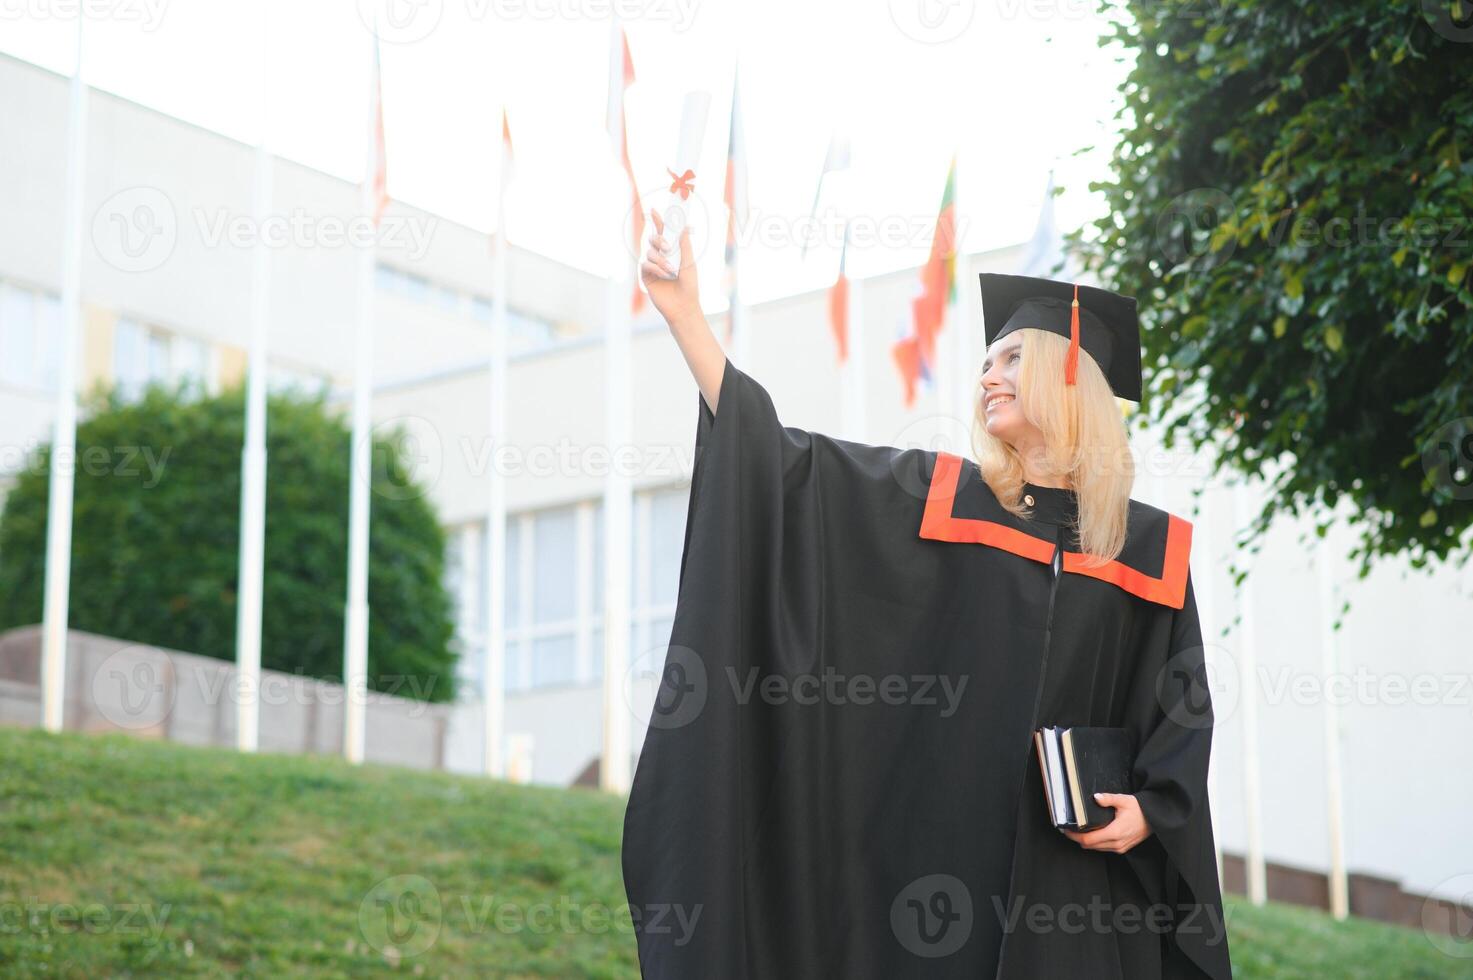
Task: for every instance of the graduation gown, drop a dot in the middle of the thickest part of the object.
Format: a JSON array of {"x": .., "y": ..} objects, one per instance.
[{"x": 839, "y": 780}]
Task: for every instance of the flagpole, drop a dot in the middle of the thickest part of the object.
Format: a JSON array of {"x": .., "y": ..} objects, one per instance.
[
  {"x": 360, "y": 473},
  {"x": 253, "y": 455},
  {"x": 737, "y": 317},
  {"x": 851, "y": 376},
  {"x": 1256, "y": 873},
  {"x": 64, "y": 439},
  {"x": 963, "y": 320},
  {"x": 614, "y": 768},
  {"x": 1205, "y": 590},
  {"x": 494, "y": 679},
  {"x": 1334, "y": 787}
]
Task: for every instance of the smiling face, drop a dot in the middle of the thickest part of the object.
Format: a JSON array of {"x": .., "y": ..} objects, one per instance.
[{"x": 1001, "y": 407}]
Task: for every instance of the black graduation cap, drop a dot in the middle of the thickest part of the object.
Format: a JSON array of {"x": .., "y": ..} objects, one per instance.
[{"x": 1106, "y": 326}]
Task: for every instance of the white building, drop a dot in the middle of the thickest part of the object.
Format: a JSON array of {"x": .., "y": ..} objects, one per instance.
[{"x": 163, "y": 299}]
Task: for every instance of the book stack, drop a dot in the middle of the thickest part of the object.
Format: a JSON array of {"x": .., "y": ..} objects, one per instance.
[{"x": 1077, "y": 763}]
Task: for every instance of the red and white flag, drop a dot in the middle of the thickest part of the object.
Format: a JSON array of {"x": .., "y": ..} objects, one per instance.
[
  {"x": 839, "y": 303},
  {"x": 507, "y": 158},
  {"x": 735, "y": 196},
  {"x": 378, "y": 163},
  {"x": 837, "y": 158}
]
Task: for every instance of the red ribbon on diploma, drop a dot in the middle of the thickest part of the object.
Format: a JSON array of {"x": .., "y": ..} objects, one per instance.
[{"x": 681, "y": 184}]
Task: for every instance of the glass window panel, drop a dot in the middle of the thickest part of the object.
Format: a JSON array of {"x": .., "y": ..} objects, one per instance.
[
  {"x": 17, "y": 336},
  {"x": 513, "y": 570},
  {"x": 667, "y": 535},
  {"x": 553, "y": 660},
  {"x": 48, "y": 340},
  {"x": 157, "y": 354},
  {"x": 554, "y": 560},
  {"x": 191, "y": 361},
  {"x": 516, "y": 674},
  {"x": 597, "y": 656},
  {"x": 130, "y": 357}
]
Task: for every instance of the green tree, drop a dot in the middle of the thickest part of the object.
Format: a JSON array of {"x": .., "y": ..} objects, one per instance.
[
  {"x": 156, "y": 535},
  {"x": 1291, "y": 203}
]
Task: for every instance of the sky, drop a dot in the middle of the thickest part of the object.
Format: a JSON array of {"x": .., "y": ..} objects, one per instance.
[{"x": 1013, "y": 88}]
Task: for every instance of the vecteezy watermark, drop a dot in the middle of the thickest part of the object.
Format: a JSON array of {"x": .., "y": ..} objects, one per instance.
[
  {"x": 1447, "y": 459},
  {"x": 401, "y": 916},
  {"x": 148, "y": 14},
  {"x": 36, "y": 917},
  {"x": 831, "y": 687},
  {"x": 1198, "y": 685},
  {"x": 407, "y": 234},
  {"x": 1447, "y": 916},
  {"x": 1187, "y": 226},
  {"x": 1100, "y": 915},
  {"x": 1453, "y": 19},
  {"x": 1363, "y": 686},
  {"x": 137, "y": 229},
  {"x": 122, "y": 461},
  {"x": 136, "y": 687},
  {"x": 932, "y": 21},
  {"x": 932, "y": 916},
  {"x": 669, "y": 687},
  {"x": 405, "y": 457},
  {"x": 666, "y": 687},
  {"x": 409, "y": 21}
]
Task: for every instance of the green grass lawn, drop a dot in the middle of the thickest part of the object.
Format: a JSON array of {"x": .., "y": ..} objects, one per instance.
[{"x": 125, "y": 857}]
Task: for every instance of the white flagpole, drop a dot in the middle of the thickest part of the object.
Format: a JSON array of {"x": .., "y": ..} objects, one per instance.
[
  {"x": 1339, "y": 881},
  {"x": 494, "y": 681},
  {"x": 741, "y": 341},
  {"x": 614, "y": 768},
  {"x": 1204, "y": 586},
  {"x": 360, "y": 472},
  {"x": 253, "y": 457},
  {"x": 962, "y": 321},
  {"x": 851, "y": 374},
  {"x": 1248, "y": 665},
  {"x": 64, "y": 438}
]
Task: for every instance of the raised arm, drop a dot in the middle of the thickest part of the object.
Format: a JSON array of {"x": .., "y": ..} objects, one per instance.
[{"x": 678, "y": 300}]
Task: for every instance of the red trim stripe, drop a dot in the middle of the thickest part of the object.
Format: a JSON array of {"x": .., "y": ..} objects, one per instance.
[{"x": 939, "y": 524}]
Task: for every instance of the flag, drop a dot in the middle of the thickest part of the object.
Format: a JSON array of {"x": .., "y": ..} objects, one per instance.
[
  {"x": 507, "y": 158},
  {"x": 938, "y": 275},
  {"x": 837, "y": 158},
  {"x": 378, "y": 164},
  {"x": 1045, "y": 250},
  {"x": 625, "y": 74},
  {"x": 907, "y": 356},
  {"x": 735, "y": 196},
  {"x": 839, "y": 303}
]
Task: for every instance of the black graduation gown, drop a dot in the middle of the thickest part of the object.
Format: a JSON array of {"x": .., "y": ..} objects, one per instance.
[{"x": 838, "y": 779}]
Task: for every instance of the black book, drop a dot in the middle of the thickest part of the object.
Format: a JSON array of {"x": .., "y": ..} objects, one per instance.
[{"x": 1078, "y": 762}]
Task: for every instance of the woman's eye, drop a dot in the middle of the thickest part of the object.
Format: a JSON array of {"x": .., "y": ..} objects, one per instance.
[{"x": 1014, "y": 357}]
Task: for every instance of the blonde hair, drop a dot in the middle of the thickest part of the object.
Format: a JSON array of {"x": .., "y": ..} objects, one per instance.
[{"x": 1084, "y": 440}]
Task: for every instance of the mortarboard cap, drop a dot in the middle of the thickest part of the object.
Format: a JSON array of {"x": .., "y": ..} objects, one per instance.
[{"x": 1102, "y": 323}]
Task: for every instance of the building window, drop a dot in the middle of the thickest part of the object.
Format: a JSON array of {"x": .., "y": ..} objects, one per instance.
[
  {"x": 144, "y": 356},
  {"x": 30, "y": 338},
  {"x": 554, "y": 588}
]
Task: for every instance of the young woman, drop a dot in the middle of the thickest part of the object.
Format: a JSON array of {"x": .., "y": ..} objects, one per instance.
[{"x": 840, "y": 776}]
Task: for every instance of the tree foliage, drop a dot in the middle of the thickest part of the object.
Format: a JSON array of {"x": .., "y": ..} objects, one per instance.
[
  {"x": 1290, "y": 202},
  {"x": 156, "y": 537}
]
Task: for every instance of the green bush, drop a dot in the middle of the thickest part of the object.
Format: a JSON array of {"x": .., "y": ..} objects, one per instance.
[
  {"x": 156, "y": 537},
  {"x": 1291, "y": 203}
]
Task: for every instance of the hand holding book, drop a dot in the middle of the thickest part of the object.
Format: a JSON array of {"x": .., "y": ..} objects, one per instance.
[
  {"x": 1085, "y": 773},
  {"x": 1127, "y": 830}
]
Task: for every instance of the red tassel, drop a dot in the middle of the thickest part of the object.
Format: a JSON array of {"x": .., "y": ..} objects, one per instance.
[{"x": 1071, "y": 363}]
